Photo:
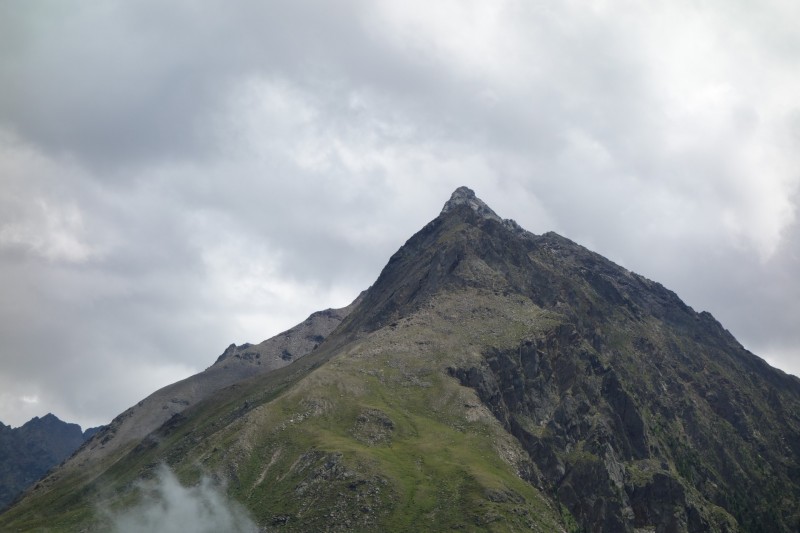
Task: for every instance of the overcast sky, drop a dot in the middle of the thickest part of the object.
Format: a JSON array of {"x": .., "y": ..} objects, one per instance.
[{"x": 176, "y": 176}]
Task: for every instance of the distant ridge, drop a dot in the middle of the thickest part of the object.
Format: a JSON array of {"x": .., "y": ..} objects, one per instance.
[{"x": 28, "y": 452}]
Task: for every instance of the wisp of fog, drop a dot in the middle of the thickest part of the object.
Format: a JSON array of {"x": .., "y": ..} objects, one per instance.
[{"x": 169, "y": 507}]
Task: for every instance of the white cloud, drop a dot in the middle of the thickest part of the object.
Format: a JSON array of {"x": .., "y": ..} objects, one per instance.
[
  {"x": 169, "y": 507},
  {"x": 471, "y": 36},
  {"x": 50, "y": 231},
  {"x": 37, "y": 213}
]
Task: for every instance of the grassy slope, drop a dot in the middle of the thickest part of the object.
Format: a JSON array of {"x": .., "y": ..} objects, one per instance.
[{"x": 377, "y": 437}]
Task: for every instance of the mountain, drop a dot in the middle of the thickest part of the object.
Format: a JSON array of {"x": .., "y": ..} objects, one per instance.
[
  {"x": 490, "y": 379},
  {"x": 31, "y": 450}
]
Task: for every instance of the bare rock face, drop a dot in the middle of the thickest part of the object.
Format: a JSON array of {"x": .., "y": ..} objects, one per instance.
[
  {"x": 466, "y": 197},
  {"x": 287, "y": 346}
]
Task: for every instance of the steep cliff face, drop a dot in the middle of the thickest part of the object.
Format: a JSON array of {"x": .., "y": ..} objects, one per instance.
[{"x": 490, "y": 379}]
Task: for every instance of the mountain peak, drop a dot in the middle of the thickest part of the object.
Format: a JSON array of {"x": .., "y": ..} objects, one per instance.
[{"x": 466, "y": 196}]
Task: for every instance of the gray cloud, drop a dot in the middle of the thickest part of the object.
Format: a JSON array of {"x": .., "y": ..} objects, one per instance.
[{"x": 175, "y": 178}]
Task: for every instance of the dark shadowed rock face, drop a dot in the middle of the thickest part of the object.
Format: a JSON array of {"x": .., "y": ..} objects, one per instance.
[{"x": 31, "y": 450}]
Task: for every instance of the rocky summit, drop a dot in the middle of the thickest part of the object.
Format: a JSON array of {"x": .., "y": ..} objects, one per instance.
[{"x": 489, "y": 380}]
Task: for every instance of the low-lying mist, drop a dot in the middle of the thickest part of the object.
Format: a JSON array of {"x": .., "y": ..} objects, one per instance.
[{"x": 169, "y": 507}]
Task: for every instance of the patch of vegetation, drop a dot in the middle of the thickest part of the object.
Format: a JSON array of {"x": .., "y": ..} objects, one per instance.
[{"x": 571, "y": 525}]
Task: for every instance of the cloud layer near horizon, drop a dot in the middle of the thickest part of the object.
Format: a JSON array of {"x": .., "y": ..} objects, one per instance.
[{"x": 176, "y": 177}]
